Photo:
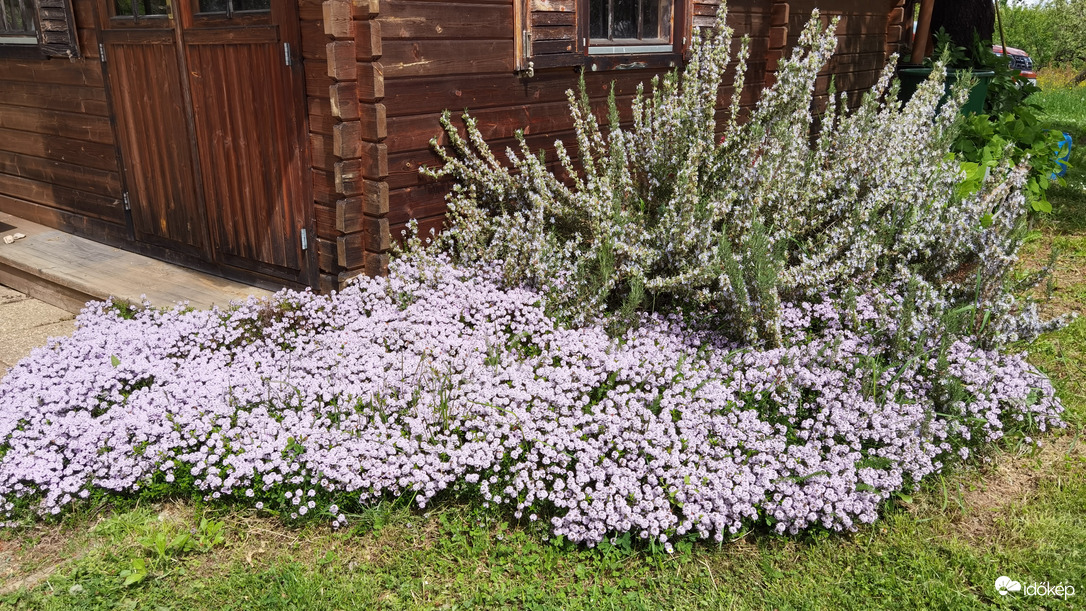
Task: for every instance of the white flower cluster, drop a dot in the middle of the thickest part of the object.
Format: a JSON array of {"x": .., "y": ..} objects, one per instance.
[{"x": 682, "y": 211}]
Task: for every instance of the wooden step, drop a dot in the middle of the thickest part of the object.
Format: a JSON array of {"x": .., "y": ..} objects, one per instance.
[{"x": 67, "y": 271}]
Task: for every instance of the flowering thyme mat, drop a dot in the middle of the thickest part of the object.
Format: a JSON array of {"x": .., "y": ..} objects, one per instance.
[{"x": 438, "y": 380}]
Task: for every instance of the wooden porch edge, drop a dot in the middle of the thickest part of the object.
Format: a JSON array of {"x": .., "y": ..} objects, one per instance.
[{"x": 67, "y": 271}]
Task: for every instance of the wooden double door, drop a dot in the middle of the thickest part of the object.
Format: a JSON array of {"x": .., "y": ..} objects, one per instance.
[{"x": 208, "y": 99}]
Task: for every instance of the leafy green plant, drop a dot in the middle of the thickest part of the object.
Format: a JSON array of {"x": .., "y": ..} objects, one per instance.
[
  {"x": 165, "y": 549},
  {"x": 986, "y": 141}
]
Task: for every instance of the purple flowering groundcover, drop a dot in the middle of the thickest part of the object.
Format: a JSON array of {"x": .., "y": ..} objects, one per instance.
[{"x": 437, "y": 379}]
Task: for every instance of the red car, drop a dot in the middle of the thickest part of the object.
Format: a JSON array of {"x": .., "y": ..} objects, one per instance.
[{"x": 1020, "y": 61}]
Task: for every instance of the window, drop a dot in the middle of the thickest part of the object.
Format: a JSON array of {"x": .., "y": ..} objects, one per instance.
[
  {"x": 629, "y": 26},
  {"x": 600, "y": 34},
  {"x": 37, "y": 29},
  {"x": 134, "y": 9},
  {"x": 17, "y": 23}
]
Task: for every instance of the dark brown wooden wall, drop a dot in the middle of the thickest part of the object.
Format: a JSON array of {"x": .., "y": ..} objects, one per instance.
[
  {"x": 460, "y": 55},
  {"x": 343, "y": 48},
  {"x": 868, "y": 33},
  {"x": 378, "y": 75},
  {"x": 58, "y": 163}
]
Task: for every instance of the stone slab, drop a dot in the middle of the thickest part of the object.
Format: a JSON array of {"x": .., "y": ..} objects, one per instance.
[
  {"x": 27, "y": 314},
  {"x": 9, "y": 295},
  {"x": 18, "y": 344}
]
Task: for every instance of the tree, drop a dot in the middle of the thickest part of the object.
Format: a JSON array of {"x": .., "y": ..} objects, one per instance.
[{"x": 1053, "y": 32}]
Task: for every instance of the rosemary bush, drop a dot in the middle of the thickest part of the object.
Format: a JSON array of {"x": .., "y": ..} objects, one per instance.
[{"x": 723, "y": 221}]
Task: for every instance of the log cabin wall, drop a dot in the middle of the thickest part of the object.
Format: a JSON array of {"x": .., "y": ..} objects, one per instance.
[
  {"x": 464, "y": 55},
  {"x": 58, "y": 161},
  {"x": 868, "y": 34},
  {"x": 377, "y": 76},
  {"x": 347, "y": 141}
]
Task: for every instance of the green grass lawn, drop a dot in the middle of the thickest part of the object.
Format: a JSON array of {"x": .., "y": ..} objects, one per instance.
[{"x": 1021, "y": 514}]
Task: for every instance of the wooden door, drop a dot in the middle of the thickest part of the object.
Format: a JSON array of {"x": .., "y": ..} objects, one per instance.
[
  {"x": 148, "y": 95},
  {"x": 208, "y": 99},
  {"x": 247, "y": 98}
]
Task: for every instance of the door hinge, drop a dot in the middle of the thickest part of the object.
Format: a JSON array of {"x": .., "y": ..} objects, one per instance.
[
  {"x": 102, "y": 52},
  {"x": 286, "y": 54},
  {"x": 527, "y": 43},
  {"x": 305, "y": 243},
  {"x": 127, "y": 204}
]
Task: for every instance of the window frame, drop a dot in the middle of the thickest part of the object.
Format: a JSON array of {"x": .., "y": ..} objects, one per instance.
[
  {"x": 627, "y": 45},
  {"x": 562, "y": 39},
  {"x": 631, "y": 55},
  {"x": 58, "y": 40}
]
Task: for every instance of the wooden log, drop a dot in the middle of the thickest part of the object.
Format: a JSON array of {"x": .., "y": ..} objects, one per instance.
[
  {"x": 376, "y": 232},
  {"x": 779, "y": 13},
  {"x": 338, "y": 19},
  {"x": 365, "y": 9},
  {"x": 374, "y": 122},
  {"x": 371, "y": 82},
  {"x": 375, "y": 197},
  {"x": 375, "y": 264},
  {"x": 432, "y": 57},
  {"x": 313, "y": 40},
  {"x": 350, "y": 250},
  {"x": 326, "y": 255},
  {"x": 412, "y": 20},
  {"x": 40, "y": 121},
  {"x": 68, "y": 98},
  {"x": 64, "y": 198},
  {"x": 344, "y": 100},
  {"x": 329, "y": 283},
  {"x": 321, "y": 118},
  {"x": 367, "y": 40},
  {"x": 778, "y": 37},
  {"x": 317, "y": 80},
  {"x": 324, "y": 188},
  {"x": 342, "y": 65},
  {"x": 349, "y": 214},
  {"x": 78, "y": 152},
  {"x": 347, "y": 140},
  {"x": 373, "y": 165},
  {"x": 72, "y": 175},
  {"x": 320, "y": 152}
]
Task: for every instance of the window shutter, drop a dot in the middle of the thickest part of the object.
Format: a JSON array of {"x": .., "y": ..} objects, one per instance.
[
  {"x": 57, "y": 35},
  {"x": 548, "y": 34}
]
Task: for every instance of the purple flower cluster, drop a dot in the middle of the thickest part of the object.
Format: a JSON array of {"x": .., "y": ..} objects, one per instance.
[{"x": 437, "y": 378}]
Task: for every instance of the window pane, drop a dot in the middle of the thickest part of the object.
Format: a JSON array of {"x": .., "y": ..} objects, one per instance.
[
  {"x": 650, "y": 19},
  {"x": 212, "y": 6},
  {"x": 123, "y": 8},
  {"x": 16, "y": 17},
  {"x": 147, "y": 8},
  {"x": 597, "y": 19},
  {"x": 624, "y": 19},
  {"x": 252, "y": 5}
]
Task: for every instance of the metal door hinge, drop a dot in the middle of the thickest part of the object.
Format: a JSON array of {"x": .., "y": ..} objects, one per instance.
[
  {"x": 127, "y": 204},
  {"x": 305, "y": 243},
  {"x": 102, "y": 52},
  {"x": 286, "y": 54}
]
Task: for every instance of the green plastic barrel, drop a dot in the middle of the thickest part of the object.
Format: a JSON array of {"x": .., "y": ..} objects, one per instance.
[{"x": 912, "y": 77}]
